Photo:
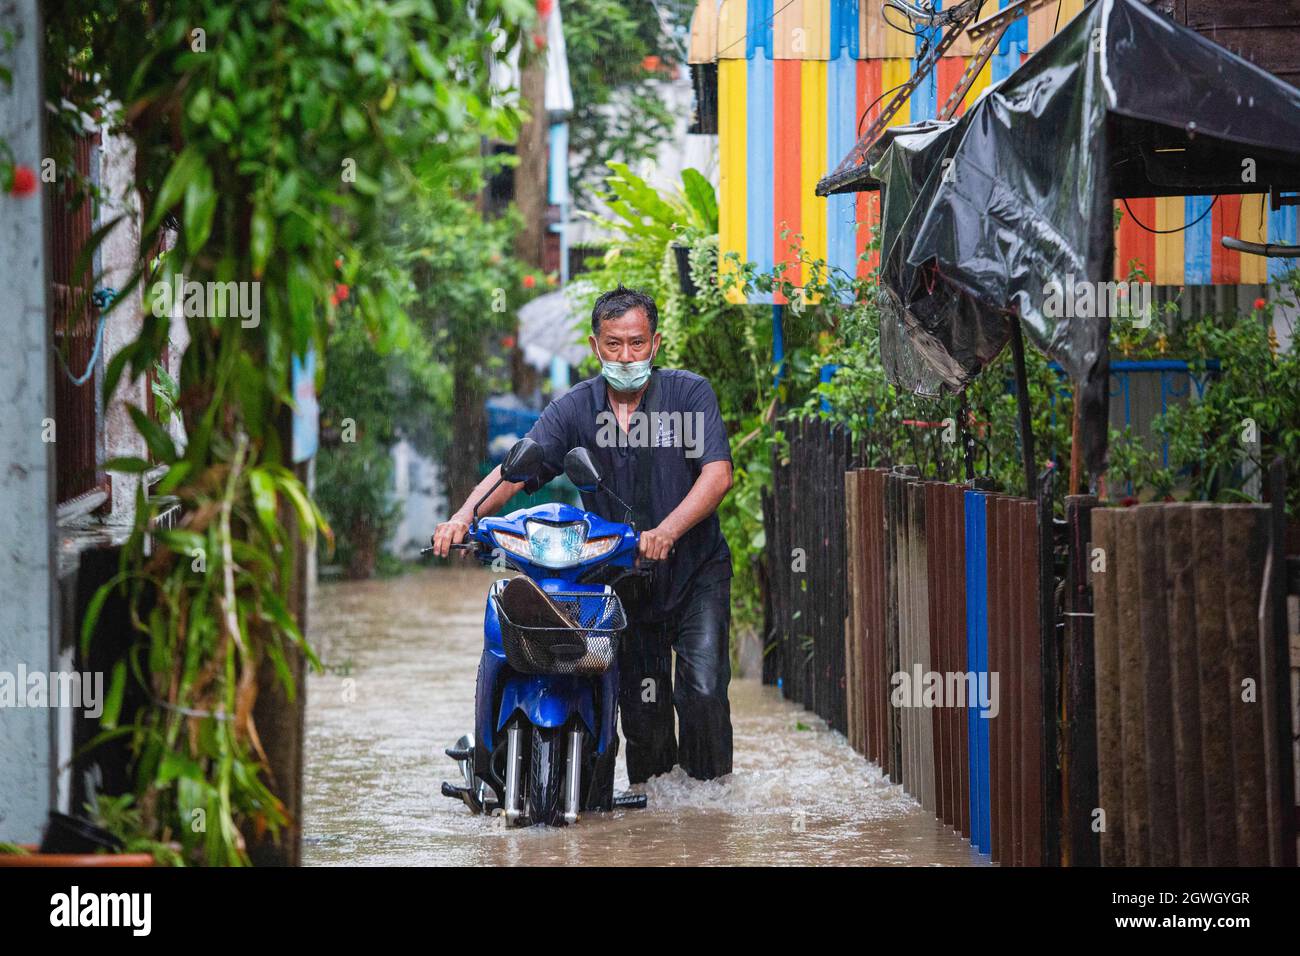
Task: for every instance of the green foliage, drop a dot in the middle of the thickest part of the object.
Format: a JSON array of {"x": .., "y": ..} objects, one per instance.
[
  {"x": 279, "y": 136},
  {"x": 121, "y": 817},
  {"x": 1249, "y": 414},
  {"x": 619, "y": 114},
  {"x": 1209, "y": 458},
  {"x": 362, "y": 404}
]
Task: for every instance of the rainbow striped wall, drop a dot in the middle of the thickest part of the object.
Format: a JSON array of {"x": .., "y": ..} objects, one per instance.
[
  {"x": 1195, "y": 256},
  {"x": 795, "y": 89},
  {"x": 797, "y": 84}
]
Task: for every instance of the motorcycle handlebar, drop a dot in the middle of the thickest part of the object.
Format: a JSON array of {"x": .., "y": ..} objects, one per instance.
[{"x": 473, "y": 546}]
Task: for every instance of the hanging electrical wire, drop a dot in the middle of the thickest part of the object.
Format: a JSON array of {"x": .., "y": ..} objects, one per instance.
[
  {"x": 1165, "y": 232},
  {"x": 741, "y": 38}
]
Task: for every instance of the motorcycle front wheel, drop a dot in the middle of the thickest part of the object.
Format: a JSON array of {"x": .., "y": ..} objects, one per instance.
[{"x": 546, "y": 762}]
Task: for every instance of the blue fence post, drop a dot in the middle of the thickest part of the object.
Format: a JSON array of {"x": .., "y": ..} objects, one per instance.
[
  {"x": 778, "y": 345},
  {"x": 977, "y": 662},
  {"x": 827, "y": 373}
]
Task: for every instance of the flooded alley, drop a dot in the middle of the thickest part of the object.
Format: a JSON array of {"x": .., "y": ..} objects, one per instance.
[{"x": 401, "y": 657}]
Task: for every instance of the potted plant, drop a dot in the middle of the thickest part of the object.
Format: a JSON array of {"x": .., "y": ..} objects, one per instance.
[{"x": 111, "y": 839}]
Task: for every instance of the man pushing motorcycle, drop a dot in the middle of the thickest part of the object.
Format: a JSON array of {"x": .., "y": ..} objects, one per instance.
[{"x": 658, "y": 440}]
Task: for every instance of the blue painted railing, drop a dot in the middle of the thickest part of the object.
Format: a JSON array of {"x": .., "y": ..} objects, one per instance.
[{"x": 1170, "y": 371}]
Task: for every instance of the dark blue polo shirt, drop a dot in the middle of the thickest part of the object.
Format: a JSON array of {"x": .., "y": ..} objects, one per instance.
[{"x": 682, "y": 431}]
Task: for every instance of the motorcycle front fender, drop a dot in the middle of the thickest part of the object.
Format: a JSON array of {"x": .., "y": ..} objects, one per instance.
[{"x": 548, "y": 701}]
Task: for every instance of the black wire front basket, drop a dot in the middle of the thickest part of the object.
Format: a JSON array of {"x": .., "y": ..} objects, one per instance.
[{"x": 589, "y": 649}]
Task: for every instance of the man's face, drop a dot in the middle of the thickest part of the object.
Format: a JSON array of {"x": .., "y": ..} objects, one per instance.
[{"x": 626, "y": 338}]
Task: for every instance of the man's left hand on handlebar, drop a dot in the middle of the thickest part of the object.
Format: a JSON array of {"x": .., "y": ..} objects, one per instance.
[{"x": 655, "y": 544}]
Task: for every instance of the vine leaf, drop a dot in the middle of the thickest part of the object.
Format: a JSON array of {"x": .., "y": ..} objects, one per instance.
[
  {"x": 159, "y": 442},
  {"x": 200, "y": 204},
  {"x": 183, "y": 170}
]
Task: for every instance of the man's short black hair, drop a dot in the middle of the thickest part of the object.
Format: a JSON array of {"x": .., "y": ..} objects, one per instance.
[{"x": 615, "y": 302}]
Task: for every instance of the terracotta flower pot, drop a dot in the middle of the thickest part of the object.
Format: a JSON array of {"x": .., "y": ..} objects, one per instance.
[{"x": 74, "y": 859}]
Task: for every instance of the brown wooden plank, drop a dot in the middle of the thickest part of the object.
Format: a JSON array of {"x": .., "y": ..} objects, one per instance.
[
  {"x": 851, "y": 579},
  {"x": 1185, "y": 684},
  {"x": 1245, "y": 545},
  {"x": 1031, "y": 665},
  {"x": 1212, "y": 655},
  {"x": 958, "y": 584},
  {"x": 921, "y": 589},
  {"x": 933, "y": 563},
  {"x": 1157, "y": 704},
  {"x": 1103, "y": 564},
  {"x": 1132, "y": 690},
  {"x": 1079, "y": 845}
]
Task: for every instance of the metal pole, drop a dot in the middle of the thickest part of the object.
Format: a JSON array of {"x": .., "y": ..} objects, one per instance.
[
  {"x": 967, "y": 435},
  {"x": 1277, "y": 668},
  {"x": 1022, "y": 401}
]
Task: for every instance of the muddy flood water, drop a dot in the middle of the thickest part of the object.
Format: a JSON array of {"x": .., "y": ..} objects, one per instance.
[{"x": 401, "y": 657}]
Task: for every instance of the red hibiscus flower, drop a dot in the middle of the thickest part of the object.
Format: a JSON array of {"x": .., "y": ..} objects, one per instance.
[{"x": 24, "y": 183}]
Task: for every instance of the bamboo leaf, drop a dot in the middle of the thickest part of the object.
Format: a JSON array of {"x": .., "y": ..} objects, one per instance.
[
  {"x": 96, "y": 605},
  {"x": 113, "y": 700},
  {"x": 262, "y": 486}
]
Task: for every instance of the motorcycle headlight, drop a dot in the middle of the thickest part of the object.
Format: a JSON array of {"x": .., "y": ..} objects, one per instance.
[{"x": 555, "y": 545}]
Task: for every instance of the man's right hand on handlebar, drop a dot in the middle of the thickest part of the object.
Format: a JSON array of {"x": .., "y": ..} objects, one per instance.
[{"x": 452, "y": 531}]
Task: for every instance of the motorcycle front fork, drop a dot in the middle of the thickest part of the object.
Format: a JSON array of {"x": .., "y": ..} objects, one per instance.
[
  {"x": 515, "y": 770},
  {"x": 573, "y": 776}
]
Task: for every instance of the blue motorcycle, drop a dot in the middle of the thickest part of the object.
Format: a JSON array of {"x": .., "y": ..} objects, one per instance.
[{"x": 546, "y": 702}]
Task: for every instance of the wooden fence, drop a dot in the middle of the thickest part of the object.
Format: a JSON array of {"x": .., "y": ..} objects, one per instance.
[
  {"x": 1050, "y": 712},
  {"x": 1184, "y": 759},
  {"x": 944, "y": 644},
  {"x": 803, "y": 516}
]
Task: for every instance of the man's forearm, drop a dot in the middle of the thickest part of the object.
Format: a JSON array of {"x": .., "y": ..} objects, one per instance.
[
  {"x": 493, "y": 504},
  {"x": 702, "y": 500}
]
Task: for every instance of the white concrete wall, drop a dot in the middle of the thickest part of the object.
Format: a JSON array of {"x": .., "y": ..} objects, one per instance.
[
  {"x": 664, "y": 170},
  {"x": 118, "y": 257},
  {"x": 27, "y": 608},
  {"x": 417, "y": 487}
]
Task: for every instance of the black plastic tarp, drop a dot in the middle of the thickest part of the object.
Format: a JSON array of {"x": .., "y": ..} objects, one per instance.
[{"x": 980, "y": 216}]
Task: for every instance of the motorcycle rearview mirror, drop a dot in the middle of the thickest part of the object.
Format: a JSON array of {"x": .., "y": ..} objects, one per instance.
[
  {"x": 585, "y": 476},
  {"x": 522, "y": 462},
  {"x": 581, "y": 470}
]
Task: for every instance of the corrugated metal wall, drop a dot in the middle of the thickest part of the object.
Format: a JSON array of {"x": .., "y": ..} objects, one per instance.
[{"x": 799, "y": 81}]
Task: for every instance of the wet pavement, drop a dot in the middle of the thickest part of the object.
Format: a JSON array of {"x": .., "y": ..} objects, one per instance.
[{"x": 402, "y": 655}]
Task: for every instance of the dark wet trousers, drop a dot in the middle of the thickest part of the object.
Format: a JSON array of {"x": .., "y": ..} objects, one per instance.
[{"x": 699, "y": 633}]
